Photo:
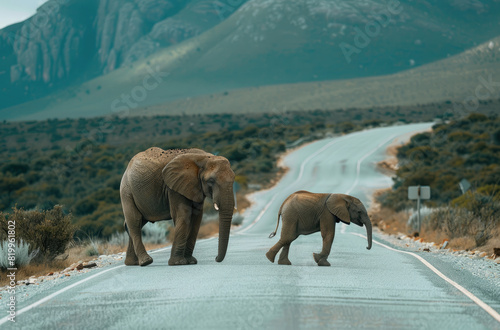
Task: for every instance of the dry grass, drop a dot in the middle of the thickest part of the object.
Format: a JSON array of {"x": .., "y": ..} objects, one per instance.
[
  {"x": 34, "y": 270},
  {"x": 462, "y": 243}
]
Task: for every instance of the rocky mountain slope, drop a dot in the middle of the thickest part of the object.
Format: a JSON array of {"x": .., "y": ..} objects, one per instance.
[
  {"x": 210, "y": 46},
  {"x": 75, "y": 40}
]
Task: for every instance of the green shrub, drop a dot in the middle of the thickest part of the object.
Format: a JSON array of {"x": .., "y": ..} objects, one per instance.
[
  {"x": 475, "y": 201},
  {"x": 48, "y": 231},
  {"x": 15, "y": 168},
  {"x": 462, "y": 149},
  {"x": 458, "y": 222},
  {"x": 92, "y": 248},
  {"x": 86, "y": 206}
]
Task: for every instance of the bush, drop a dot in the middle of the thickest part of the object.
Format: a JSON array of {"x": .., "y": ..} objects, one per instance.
[
  {"x": 86, "y": 206},
  {"x": 475, "y": 202},
  {"x": 458, "y": 222},
  {"x": 92, "y": 248},
  {"x": 48, "y": 231},
  {"x": 462, "y": 149},
  {"x": 22, "y": 254}
]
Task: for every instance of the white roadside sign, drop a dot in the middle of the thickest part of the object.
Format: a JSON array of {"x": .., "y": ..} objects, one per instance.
[{"x": 416, "y": 192}]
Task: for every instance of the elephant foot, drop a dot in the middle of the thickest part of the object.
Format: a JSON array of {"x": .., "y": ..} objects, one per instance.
[
  {"x": 191, "y": 260},
  {"x": 131, "y": 261},
  {"x": 284, "y": 262},
  {"x": 317, "y": 257},
  {"x": 145, "y": 260},
  {"x": 270, "y": 256},
  {"x": 177, "y": 261},
  {"x": 323, "y": 262}
]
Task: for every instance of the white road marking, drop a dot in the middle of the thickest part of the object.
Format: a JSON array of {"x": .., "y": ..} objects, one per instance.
[
  {"x": 358, "y": 165},
  {"x": 55, "y": 294},
  {"x": 466, "y": 292},
  {"x": 41, "y": 301}
]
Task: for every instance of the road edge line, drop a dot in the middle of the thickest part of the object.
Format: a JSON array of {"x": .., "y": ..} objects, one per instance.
[
  {"x": 41, "y": 301},
  {"x": 55, "y": 294},
  {"x": 487, "y": 308}
]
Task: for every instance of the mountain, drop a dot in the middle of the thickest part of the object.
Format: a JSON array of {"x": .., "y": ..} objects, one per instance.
[
  {"x": 70, "y": 41},
  {"x": 467, "y": 79},
  {"x": 260, "y": 43}
]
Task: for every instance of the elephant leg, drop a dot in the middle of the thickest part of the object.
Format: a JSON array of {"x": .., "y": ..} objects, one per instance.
[
  {"x": 182, "y": 223},
  {"x": 283, "y": 259},
  {"x": 271, "y": 254},
  {"x": 131, "y": 258},
  {"x": 288, "y": 235},
  {"x": 135, "y": 222},
  {"x": 196, "y": 218},
  {"x": 327, "y": 227}
]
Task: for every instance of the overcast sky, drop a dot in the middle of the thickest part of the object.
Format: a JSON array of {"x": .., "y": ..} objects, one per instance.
[{"x": 13, "y": 11}]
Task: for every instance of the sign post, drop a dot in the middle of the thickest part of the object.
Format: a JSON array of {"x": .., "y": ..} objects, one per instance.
[{"x": 418, "y": 193}]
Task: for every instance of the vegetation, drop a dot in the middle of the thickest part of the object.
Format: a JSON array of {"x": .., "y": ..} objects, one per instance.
[
  {"x": 469, "y": 149},
  {"x": 464, "y": 149},
  {"x": 47, "y": 233},
  {"x": 79, "y": 163}
]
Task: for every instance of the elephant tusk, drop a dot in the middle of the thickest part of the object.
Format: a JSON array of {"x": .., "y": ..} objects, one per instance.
[{"x": 216, "y": 207}]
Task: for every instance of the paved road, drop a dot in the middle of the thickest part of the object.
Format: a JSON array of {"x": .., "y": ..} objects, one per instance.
[{"x": 379, "y": 288}]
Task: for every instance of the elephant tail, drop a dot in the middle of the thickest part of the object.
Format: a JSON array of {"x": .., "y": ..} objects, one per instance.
[{"x": 274, "y": 232}]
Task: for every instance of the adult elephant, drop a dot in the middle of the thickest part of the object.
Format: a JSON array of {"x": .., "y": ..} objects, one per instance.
[
  {"x": 172, "y": 184},
  {"x": 304, "y": 213}
]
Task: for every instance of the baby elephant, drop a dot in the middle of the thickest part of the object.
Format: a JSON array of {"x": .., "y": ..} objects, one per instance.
[{"x": 304, "y": 213}]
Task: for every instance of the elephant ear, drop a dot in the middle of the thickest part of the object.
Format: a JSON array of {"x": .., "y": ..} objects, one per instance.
[
  {"x": 182, "y": 175},
  {"x": 338, "y": 207}
]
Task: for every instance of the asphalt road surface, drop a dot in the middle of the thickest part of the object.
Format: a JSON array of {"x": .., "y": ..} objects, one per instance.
[{"x": 378, "y": 288}]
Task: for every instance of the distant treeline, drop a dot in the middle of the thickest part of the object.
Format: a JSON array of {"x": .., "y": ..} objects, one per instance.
[
  {"x": 468, "y": 149},
  {"x": 113, "y": 130}
]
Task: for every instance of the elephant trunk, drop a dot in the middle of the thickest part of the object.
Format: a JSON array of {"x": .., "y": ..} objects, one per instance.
[
  {"x": 368, "y": 226},
  {"x": 225, "y": 217}
]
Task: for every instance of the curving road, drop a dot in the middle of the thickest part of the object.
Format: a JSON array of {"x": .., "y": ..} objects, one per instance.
[{"x": 381, "y": 288}]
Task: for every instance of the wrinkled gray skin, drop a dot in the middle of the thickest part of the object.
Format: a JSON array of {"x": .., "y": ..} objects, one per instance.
[
  {"x": 172, "y": 184},
  {"x": 304, "y": 213}
]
